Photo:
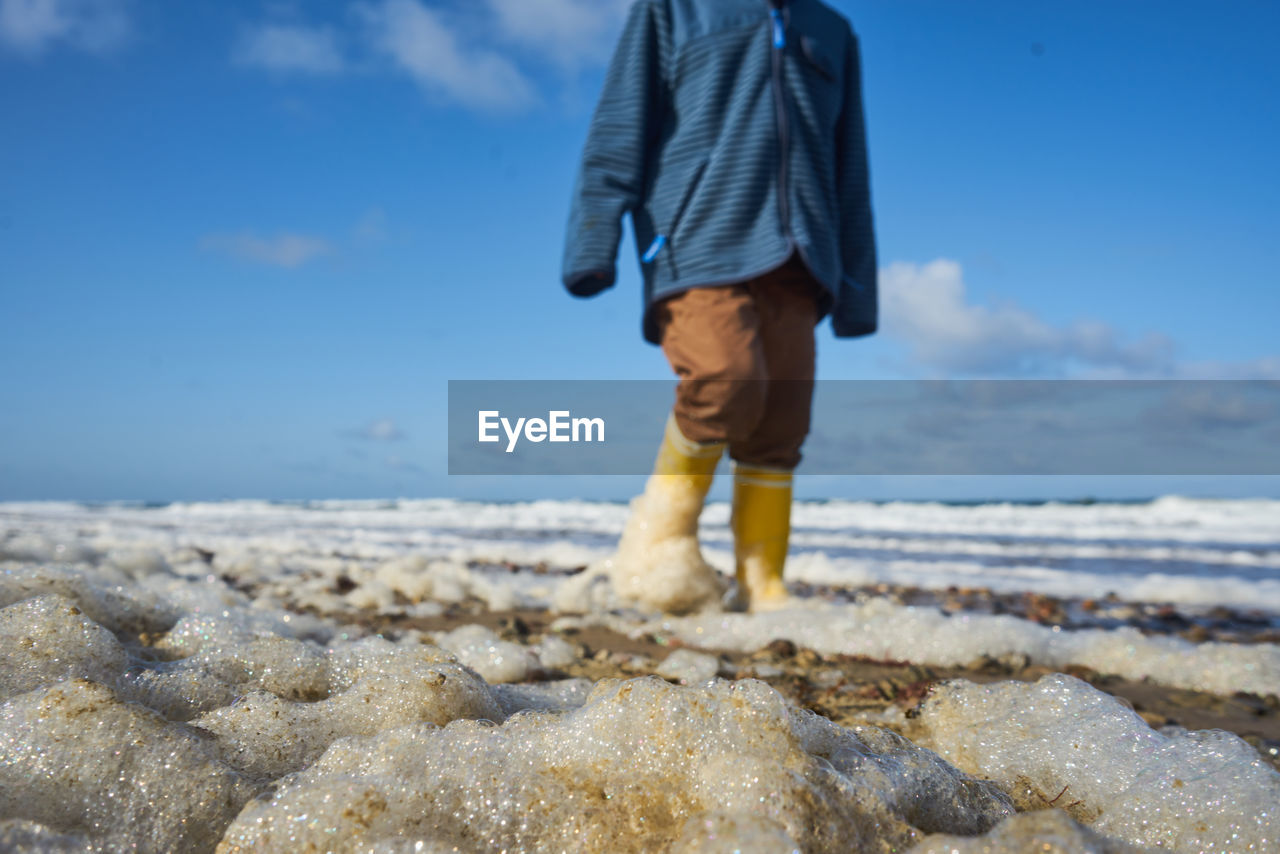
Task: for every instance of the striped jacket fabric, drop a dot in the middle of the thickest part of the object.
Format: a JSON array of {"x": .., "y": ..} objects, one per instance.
[{"x": 732, "y": 133}]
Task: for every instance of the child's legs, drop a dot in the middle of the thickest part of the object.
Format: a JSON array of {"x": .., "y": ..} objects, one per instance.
[
  {"x": 745, "y": 356},
  {"x": 711, "y": 338},
  {"x": 786, "y": 307}
]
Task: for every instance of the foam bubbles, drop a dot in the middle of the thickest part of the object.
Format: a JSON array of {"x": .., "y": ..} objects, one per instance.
[
  {"x": 48, "y": 638},
  {"x": 726, "y": 833},
  {"x": 689, "y": 667},
  {"x": 220, "y": 668},
  {"x": 105, "y": 596},
  {"x": 640, "y": 766},
  {"x": 77, "y": 760},
  {"x": 1049, "y": 831},
  {"x": 659, "y": 563},
  {"x": 28, "y": 837},
  {"x": 557, "y": 653},
  {"x": 881, "y": 629},
  {"x": 558, "y": 696},
  {"x": 1062, "y": 742},
  {"x": 161, "y": 675},
  {"x": 268, "y": 737},
  {"x": 494, "y": 659}
]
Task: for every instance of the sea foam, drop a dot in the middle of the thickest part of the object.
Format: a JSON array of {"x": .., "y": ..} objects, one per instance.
[
  {"x": 642, "y": 765},
  {"x": 189, "y": 677},
  {"x": 880, "y": 629},
  {"x": 1062, "y": 742}
]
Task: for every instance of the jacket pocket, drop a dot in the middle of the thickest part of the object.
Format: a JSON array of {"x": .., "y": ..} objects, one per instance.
[{"x": 662, "y": 240}]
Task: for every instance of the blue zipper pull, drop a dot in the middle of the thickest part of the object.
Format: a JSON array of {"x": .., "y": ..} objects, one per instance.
[
  {"x": 654, "y": 248},
  {"x": 779, "y": 29}
]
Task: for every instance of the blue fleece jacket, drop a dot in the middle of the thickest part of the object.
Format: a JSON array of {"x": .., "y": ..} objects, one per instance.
[{"x": 732, "y": 132}]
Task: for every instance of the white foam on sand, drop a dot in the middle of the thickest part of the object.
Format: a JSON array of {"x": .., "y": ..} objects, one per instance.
[
  {"x": 157, "y": 740},
  {"x": 374, "y": 688},
  {"x": 642, "y": 765},
  {"x": 78, "y": 760},
  {"x": 494, "y": 659},
  {"x": 162, "y": 740},
  {"x": 882, "y": 630},
  {"x": 1062, "y": 741},
  {"x": 688, "y": 667},
  {"x": 302, "y": 558},
  {"x": 147, "y": 701}
]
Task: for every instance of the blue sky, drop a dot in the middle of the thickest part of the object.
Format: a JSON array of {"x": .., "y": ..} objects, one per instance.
[{"x": 245, "y": 245}]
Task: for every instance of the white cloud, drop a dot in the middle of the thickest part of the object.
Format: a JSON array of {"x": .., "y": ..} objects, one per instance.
[
  {"x": 457, "y": 53},
  {"x": 570, "y": 33},
  {"x": 33, "y": 26},
  {"x": 420, "y": 42},
  {"x": 927, "y": 308},
  {"x": 282, "y": 47},
  {"x": 282, "y": 250}
]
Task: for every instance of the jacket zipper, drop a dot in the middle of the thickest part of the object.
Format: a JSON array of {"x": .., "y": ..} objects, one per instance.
[
  {"x": 778, "y": 21},
  {"x": 778, "y": 35},
  {"x": 661, "y": 240}
]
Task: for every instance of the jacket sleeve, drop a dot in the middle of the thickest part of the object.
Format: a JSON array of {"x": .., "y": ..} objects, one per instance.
[
  {"x": 611, "y": 175},
  {"x": 855, "y": 310}
]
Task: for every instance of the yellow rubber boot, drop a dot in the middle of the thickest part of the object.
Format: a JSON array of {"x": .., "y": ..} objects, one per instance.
[
  {"x": 761, "y": 524},
  {"x": 658, "y": 562},
  {"x": 693, "y": 462}
]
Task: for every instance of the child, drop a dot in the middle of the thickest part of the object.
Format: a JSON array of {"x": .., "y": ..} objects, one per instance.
[{"x": 732, "y": 132}]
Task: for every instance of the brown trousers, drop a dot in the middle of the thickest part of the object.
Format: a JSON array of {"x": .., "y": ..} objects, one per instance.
[{"x": 745, "y": 356}]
